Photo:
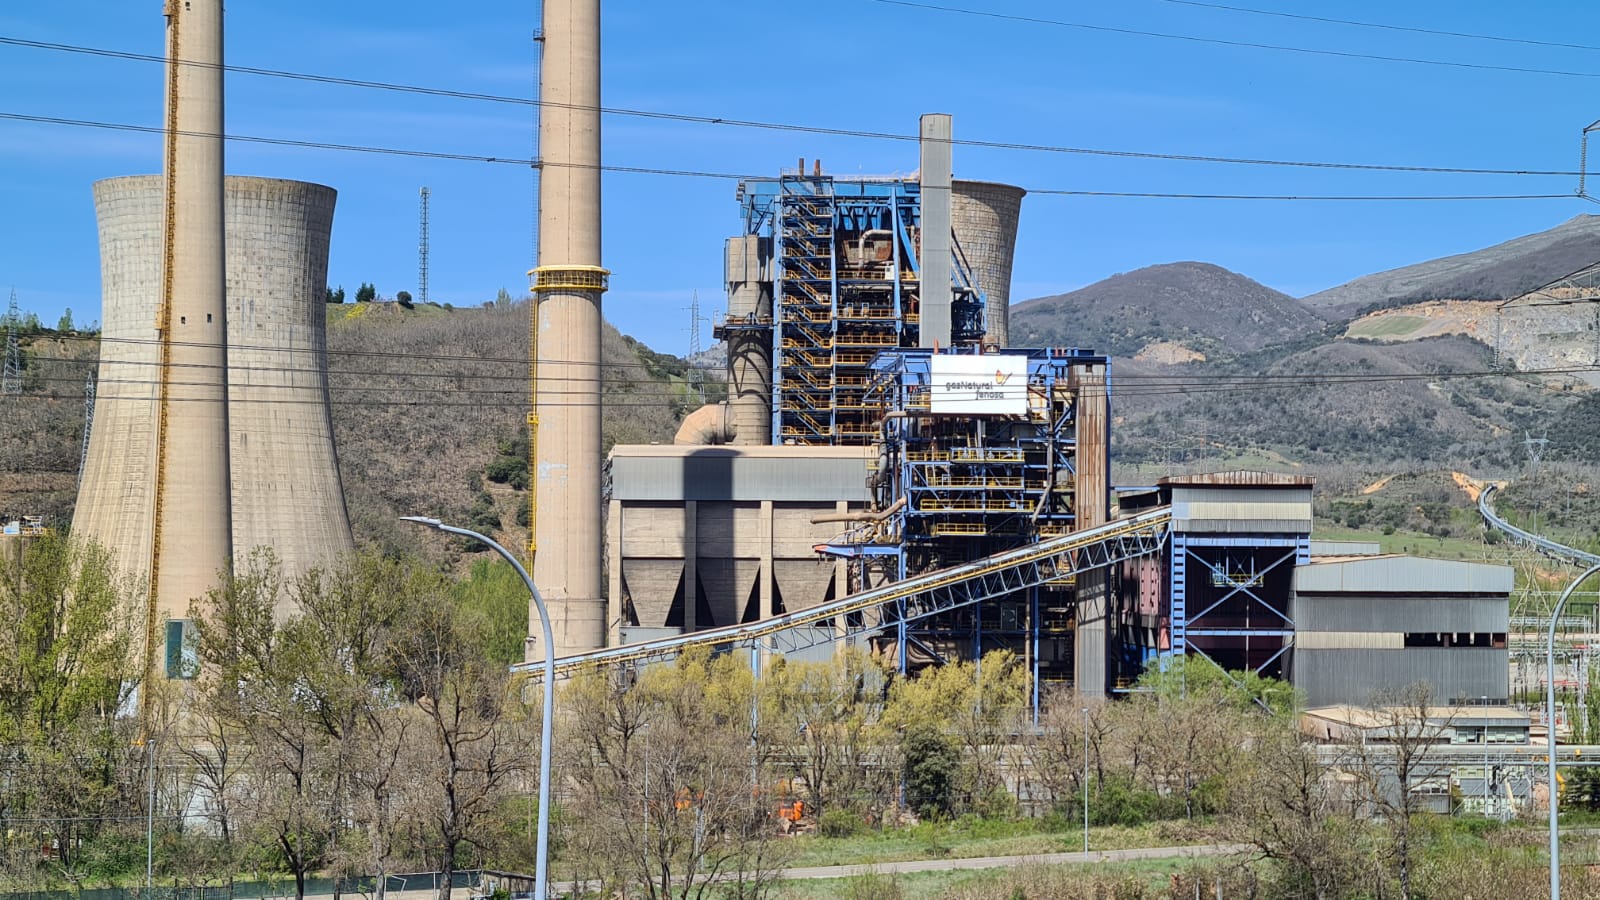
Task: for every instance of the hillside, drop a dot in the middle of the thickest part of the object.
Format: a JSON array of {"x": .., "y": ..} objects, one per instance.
[
  {"x": 1202, "y": 308},
  {"x": 424, "y": 400},
  {"x": 1506, "y": 270},
  {"x": 1330, "y": 403}
]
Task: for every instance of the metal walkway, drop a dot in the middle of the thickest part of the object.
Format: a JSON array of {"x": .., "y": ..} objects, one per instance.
[
  {"x": 1528, "y": 538},
  {"x": 914, "y": 598}
]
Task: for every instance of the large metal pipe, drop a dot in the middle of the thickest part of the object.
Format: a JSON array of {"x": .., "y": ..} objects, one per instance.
[
  {"x": 747, "y": 265},
  {"x": 567, "y": 287},
  {"x": 193, "y": 525}
]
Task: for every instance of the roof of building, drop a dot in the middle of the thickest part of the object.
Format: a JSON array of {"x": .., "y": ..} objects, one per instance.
[
  {"x": 1239, "y": 478},
  {"x": 1365, "y": 717},
  {"x": 1400, "y": 574},
  {"x": 677, "y": 472},
  {"x": 762, "y": 451}
]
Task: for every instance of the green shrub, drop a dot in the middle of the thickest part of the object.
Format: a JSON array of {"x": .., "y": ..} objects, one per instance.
[{"x": 839, "y": 823}]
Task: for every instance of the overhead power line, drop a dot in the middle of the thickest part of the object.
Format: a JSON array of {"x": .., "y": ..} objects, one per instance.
[
  {"x": 689, "y": 173},
  {"x": 1252, "y": 45},
  {"x": 783, "y": 126},
  {"x": 1411, "y": 29}
]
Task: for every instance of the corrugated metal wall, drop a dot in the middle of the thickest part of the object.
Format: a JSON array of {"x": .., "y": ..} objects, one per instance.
[
  {"x": 1352, "y": 612},
  {"x": 1332, "y": 677}
]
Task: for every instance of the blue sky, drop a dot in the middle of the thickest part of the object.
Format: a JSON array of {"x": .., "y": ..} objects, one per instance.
[{"x": 851, "y": 64}]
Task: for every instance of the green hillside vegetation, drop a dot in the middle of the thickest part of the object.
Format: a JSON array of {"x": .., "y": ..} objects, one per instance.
[
  {"x": 1327, "y": 403},
  {"x": 426, "y": 401}
]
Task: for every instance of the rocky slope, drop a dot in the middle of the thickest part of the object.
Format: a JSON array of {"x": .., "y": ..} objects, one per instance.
[{"x": 1501, "y": 272}]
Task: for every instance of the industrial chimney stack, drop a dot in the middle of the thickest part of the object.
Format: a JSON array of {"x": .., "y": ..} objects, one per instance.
[
  {"x": 192, "y": 538},
  {"x": 567, "y": 286}
]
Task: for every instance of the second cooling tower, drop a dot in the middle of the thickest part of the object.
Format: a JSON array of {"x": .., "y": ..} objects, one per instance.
[
  {"x": 983, "y": 215},
  {"x": 286, "y": 491}
]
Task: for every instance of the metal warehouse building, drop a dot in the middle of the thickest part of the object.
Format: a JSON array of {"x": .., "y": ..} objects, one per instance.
[{"x": 1363, "y": 624}]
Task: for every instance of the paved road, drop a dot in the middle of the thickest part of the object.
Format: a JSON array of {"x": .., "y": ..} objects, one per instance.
[{"x": 1002, "y": 862}]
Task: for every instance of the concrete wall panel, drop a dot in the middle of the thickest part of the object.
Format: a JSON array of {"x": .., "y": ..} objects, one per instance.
[{"x": 651, "y": 585}]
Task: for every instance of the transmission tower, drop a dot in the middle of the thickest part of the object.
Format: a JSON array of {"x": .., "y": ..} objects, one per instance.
[
  {"x": 11, "y": 381},
  {"x": 696, "y": 379},
  {"x": 88, "y": 425},
  {"x": 422, "y": 248},
  {"x": 1535, "y": 446}
]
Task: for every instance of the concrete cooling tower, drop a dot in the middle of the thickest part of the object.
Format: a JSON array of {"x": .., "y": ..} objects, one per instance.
[
  {"x": 285, "y": 487},
  {"x": 983, "y": 215}
]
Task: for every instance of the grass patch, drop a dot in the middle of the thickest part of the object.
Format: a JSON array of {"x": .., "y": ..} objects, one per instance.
[
  {"x": 969, "y": 837},
  {"x": 1412, "y": 543},
  {"x": 1031, "y": 880},
  {"x": 1386, "y": 327}
]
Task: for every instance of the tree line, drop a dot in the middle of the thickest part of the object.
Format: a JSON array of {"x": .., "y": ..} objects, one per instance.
[{"x": 361, "y": 721}]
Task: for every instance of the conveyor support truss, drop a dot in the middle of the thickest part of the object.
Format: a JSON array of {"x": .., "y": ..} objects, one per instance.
[{"x": 914, "y": 598}]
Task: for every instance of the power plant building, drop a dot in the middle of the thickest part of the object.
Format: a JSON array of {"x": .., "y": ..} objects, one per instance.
[{"x": 874, "y": 481}]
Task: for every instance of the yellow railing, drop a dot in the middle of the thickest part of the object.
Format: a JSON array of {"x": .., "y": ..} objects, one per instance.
[
  {"x": 944, "y": 504},
  {"x": 570, "y": 278},
  {"x": 951, "y": 529},
  {"x": 976, "y": 481},
  {"x": 985, "y": 454}
]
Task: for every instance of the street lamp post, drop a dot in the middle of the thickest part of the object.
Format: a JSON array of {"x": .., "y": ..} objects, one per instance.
[
  {"x": 541, "y": 872},
  {"x": 1550, "y": 724}
]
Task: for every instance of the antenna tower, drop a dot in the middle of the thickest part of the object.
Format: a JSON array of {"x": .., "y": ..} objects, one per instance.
[
  {"x": 11, "y": 383},
  {"x": 422, "y": 248}
]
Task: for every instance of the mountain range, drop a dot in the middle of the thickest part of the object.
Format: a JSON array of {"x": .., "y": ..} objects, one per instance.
[
  {"x": 1418, "y": 367},
  {"x": 1419, "y": 364}
]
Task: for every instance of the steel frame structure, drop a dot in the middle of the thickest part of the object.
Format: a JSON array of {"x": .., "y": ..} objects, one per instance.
[
  {"x": 898, "y": 604},
  {"x": 1226, "y": 614},
  {"x": 846, "y": 285}
]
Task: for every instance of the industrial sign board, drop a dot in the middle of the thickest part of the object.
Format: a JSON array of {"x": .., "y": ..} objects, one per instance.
[{"x": 990, "y": 385}]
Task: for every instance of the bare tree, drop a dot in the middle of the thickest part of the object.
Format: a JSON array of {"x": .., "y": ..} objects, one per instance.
[
  {"x": 832, "y": 713},
  {"x": 1396, "y": 763},
  {"x": 471, "y": 720},
  {"x": 1287, "y": 805},
  {"x": 671, "y": 795}
]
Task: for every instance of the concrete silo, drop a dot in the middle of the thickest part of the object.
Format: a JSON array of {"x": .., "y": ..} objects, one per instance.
[
  {"x": 285, "y": 490},
  {"x": 984, "y": 217}
]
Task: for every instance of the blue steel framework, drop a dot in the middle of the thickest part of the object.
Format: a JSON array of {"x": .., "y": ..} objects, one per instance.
[
  {"x": 1230, "y": 597},
  {"x": 845, "y": 287},
  {"x": 959, "y": 487}
]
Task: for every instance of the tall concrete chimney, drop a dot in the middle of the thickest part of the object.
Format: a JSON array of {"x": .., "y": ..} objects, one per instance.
[
  {"x": 567, "y": 286},
  {"x": 192, "y": 537},
  {"x": 935, "y": 255}
]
